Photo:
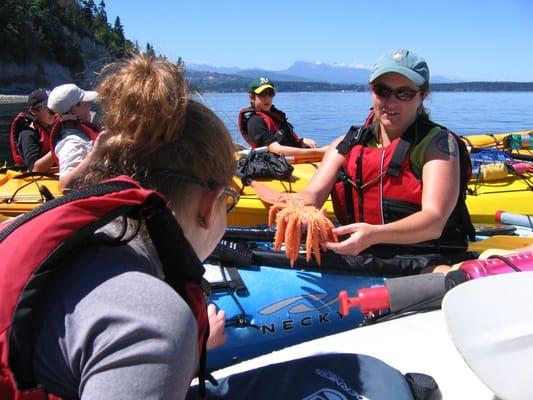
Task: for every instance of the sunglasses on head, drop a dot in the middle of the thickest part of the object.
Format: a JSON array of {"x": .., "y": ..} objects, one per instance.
[{"x": 402, "y": 93}]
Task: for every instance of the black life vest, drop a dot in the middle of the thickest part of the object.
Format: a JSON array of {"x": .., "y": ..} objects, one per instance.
[
  {"x": 34, "y": 245},
  {"x": 276, "y": 122},
  {"x": 378, "y": 186},
  {"x": 88, "y": 128},
  {"x": 26, "y": 121}
]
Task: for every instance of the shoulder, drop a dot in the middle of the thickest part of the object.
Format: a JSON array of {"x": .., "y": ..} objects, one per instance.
[
  {"x": 255, "y": 120},
  {"x": 256, "y": 125},
  {"x": 443, "y": 141},
  {"x": 69, "y": 139},
  {"x": 28, "y": 132},
  {"x": 106, "y": 311}
]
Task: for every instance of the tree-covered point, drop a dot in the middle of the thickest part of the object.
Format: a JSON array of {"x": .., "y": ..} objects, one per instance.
[{"x": 33, "y": 30}]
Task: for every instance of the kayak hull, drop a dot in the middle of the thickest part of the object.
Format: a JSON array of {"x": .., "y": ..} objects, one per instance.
[{"x": 283, "y": 307}]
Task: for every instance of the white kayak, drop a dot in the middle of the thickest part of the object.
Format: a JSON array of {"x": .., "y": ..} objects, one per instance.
[{"x": 416, "y": 343}]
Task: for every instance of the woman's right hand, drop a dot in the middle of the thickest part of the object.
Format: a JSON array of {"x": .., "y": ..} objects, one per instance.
[
  {"x": 217, "y": 321},
  {"x": 362, "y": 236}
]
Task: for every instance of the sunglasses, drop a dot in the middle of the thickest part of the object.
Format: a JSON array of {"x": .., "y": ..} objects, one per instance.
[
  {"x": 265, "y": 93},
  {"x": 37, "y": 108},
  {"x": 232, "y": 195},
  {"x": 232, "y": 198},
  {"x": 402, "y": 93}
]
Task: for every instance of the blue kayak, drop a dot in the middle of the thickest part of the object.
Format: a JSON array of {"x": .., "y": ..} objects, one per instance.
[
  {"x": 272, "y": 307},
  {"x": 269, "y": 305}
]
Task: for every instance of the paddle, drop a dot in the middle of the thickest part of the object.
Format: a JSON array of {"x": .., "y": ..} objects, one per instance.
[
  {"x": 525, "y": 221},
  {"x": 500, "y": 242},
  {"x": 489, "y": 324},
  {"x": 264, "y": 193}
]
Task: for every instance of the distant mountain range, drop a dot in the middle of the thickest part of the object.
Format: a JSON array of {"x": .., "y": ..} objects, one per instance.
[{"x": 303, "y": 71}]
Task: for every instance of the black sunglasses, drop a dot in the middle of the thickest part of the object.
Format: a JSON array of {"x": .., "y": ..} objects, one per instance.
[
  {"x": 232, "y": 195},
  {"x": 265, "y": 93},
  {"x": 402, "y": 93},
  {"x": 39, "y": 106},
  {"x": 232, "y": 198}
]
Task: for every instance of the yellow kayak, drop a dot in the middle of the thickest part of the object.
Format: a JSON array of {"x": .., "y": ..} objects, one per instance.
[
  {"x": 492, "y": 140},
  {"x": 20, "y": 193}
]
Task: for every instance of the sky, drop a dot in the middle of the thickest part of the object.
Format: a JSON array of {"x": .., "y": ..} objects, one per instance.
[{"x": 471, "y": 40}]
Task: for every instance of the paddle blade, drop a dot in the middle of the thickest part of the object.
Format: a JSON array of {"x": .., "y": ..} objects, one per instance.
[
  {"x": 265, "y": 193},
  {"x": 502, "y": 242},
  {"x": 491, "y": 325}
]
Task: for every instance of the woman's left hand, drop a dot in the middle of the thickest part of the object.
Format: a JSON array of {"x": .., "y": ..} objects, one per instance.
[
  {"x": 361, "y": 237},
  {"x": 310, "y": 143},
  {"x": 217, "y": 321}
]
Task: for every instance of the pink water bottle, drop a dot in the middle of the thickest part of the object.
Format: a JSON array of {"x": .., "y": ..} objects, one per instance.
[{"x": 494, "y": 265}]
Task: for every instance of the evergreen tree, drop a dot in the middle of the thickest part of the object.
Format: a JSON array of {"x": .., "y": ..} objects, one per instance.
[
  {"x": 101, "y": 11},
  {"x": 88, "y": 11},
  {"x": 149, "y": 50},
  {"x": 34, "y": 31}
]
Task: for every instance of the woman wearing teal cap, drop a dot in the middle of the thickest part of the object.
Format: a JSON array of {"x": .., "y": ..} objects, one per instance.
[
  {"x": 403, "y": 177},
  {"x": 262, "y": 124}
]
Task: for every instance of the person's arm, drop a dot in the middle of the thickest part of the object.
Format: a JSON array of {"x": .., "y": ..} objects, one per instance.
[
  {"x": 317, "y": 190},
  {"x": 309, "y": 143},
  {"x": 28, "y": 144},
  {"x": 317, "y": 152},
  {"x": 217, "y": 322},
  {"x": 259, "y": 134},
  {"x": 440, "y": 175},
  {"x": 74, "y": 153},
  {"x": 44, "y": 163},
  {"x": 67, "y": 178}
]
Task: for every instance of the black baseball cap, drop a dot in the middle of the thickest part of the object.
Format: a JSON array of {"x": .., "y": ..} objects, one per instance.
[{"x": 37, "y": 97}]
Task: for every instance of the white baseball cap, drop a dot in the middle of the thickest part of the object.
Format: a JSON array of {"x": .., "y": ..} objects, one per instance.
[{"x": 64, "y": 97}]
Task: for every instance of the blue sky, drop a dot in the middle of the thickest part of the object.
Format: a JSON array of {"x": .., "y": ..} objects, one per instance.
[{"x": 471, "y": 40}]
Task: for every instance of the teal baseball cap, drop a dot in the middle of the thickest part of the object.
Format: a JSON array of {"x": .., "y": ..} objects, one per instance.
[
  {"x": 403, "y": 62},
  {"x": 259, "y": 84}
]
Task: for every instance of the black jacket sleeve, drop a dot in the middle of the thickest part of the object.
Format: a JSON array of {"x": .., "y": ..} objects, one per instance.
[{"x": 29, "y": 147}]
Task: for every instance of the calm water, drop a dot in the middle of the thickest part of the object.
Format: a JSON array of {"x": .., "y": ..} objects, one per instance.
[{"x": 325, "y": 115}]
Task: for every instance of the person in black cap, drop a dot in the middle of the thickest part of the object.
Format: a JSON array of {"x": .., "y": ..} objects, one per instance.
[
  {"x": 30, "y": 134},
  {"x": 263, "y": 124}
]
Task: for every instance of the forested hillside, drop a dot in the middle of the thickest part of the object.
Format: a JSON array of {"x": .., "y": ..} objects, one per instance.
[
  {"x": 46, "y": 42},
  {"x": 33, "y": 30}
]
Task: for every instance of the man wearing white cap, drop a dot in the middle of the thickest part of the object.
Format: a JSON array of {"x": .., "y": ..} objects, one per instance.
[{"x": 73, "y": 136}]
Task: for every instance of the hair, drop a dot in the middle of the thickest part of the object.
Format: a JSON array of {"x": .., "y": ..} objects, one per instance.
[
  {"x": 422, "y": 111},
  {"x": 152, "y": 125}
]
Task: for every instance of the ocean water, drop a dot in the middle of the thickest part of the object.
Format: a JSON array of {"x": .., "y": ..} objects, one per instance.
[{"x": 323, "y": 116}]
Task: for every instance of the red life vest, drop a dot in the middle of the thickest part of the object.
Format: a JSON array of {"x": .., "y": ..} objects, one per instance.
[
  {"x": 22, "y": 122},
  {"x": 59, "y": 228},
  {"x": 378, "y": 185},
  {"x": 276, "y": 122},
  {"x": 91, "y": 130}
]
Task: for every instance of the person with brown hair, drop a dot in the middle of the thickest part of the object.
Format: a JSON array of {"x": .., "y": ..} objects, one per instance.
[
  {"x": 111, "y": 327},
  {"x": 403, "y": 177}
]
